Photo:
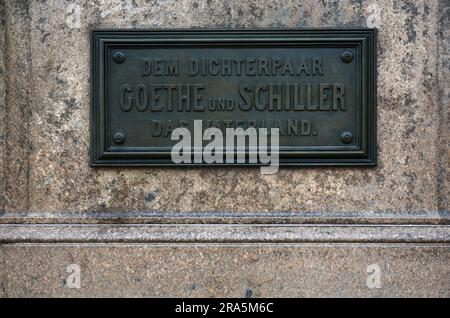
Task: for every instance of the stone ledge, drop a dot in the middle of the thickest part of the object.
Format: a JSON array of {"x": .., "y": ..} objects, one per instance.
[{"x": 214, "y": 233}]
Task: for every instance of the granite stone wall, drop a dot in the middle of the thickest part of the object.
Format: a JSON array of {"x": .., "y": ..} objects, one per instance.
[
  {"x": 300, "y": 220},
  {"x": 47, "y": 119}
]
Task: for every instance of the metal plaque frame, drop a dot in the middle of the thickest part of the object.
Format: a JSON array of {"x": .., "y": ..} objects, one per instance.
[{"x": 362, "y": 152}]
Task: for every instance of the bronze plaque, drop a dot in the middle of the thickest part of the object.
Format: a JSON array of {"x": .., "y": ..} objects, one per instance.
[{"x": 318, "y": 87}]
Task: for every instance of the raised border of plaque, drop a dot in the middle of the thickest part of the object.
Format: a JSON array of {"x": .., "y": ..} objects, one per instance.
[{"x": 361, "y": 151}]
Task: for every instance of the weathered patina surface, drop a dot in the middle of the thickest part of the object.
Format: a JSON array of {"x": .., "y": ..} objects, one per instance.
[{"x": 314, "y": 89}]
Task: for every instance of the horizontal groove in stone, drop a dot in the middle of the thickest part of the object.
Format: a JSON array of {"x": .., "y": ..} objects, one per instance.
[{"x": 159, "y": 217}]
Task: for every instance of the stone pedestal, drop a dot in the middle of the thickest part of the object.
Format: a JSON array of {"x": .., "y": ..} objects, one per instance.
[{"x": 230, "y": 231}]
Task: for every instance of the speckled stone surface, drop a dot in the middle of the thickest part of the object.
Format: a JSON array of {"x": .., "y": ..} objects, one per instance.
[
  {"x": 300, "y": 270},
  {"x": 48, "y": 103},
  {"x": 398, "y": 211},
  {"x": 444, "y": 98},
  {"x": 222, "y": 233},
  {"x": 2, "y": 106}
]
